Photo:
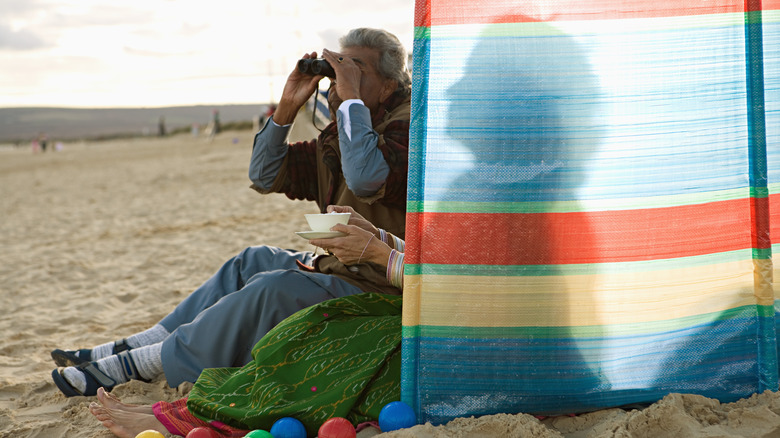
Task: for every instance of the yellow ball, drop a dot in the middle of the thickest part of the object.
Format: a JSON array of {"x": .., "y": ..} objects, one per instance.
[{"x": 150, "y": 434}]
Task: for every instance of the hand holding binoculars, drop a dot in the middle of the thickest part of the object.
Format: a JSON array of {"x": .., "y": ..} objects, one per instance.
[{"x": 316, "y": 66}]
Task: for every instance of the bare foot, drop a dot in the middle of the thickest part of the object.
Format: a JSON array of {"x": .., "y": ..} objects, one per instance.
[
  {"x": 110, "y": 401},
  {"x": 125, "y": 424}
]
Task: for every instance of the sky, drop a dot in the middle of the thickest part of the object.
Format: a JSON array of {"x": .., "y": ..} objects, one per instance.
[{"x": 155, "y": 53}]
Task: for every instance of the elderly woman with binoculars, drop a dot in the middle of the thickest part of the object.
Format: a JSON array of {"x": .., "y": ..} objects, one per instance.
[{"x": 359, "y": 160}]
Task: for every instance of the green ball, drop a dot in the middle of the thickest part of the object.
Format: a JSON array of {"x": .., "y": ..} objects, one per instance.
[{"x": 259, "y": 433}]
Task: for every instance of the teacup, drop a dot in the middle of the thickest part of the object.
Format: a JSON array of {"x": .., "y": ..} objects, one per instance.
[{"x": 324, "y": 222}]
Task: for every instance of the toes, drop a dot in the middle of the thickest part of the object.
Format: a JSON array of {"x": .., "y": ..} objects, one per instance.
[
  {"x": 107, "y": 399},
  {"x": 99, "y": 412},
  {"x": 102, "y": 395},
  {"x": 110, "y": 396}
]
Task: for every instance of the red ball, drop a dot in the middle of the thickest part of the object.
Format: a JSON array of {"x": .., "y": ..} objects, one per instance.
[
  {"x": 337, "y": 427},
  {"x": 202, "y": 432}
]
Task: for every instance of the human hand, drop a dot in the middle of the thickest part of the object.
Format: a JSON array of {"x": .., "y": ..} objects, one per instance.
[
  {"x": 354, "y": 218},
  {"x": 297, "y": 90},
  {"x": 357, "y": 246},
  {"x": 348, "y": 75}
]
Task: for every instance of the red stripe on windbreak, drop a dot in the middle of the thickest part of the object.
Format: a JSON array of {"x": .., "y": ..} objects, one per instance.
[
  {"x": 770, "y": 5},
  {"x": 581, "y": 237},
  {"x": 422, "y": 13},
  {"x": 774, "y": 217},
  {"x": 443, "y": 12},
  {"x": 761, "y": 223}
]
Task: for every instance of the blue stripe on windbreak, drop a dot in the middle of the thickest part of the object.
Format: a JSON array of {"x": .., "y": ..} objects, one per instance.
[
  {"x": 410, "y": 360},
  {"x": 419, "y": 119},
  {"x": 754, "y": 66},
  {"x": 567, "y": 122},
  {"x": 772, "y": 98},
  {"x": 556, "y": 376},
  {"x": 757, "y": 147}
]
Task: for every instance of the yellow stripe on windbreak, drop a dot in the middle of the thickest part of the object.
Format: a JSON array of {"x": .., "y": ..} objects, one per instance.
[
  {"x": 763, "y": 279},
  {"x": 577, "y": 300}
]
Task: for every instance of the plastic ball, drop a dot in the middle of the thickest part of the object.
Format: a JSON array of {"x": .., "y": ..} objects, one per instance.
[
  {"x": 202, "y": 432},
  {"x": 337, "y": 427},
  {"x": 396, "y": 415},
  {"x": 259, "y": 433},
  {"x": 288, "y": 427},
  {"x": 150, "y": 434}
]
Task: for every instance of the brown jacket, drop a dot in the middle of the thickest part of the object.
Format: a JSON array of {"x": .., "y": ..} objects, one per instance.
[{"x": 312, "y": 170}]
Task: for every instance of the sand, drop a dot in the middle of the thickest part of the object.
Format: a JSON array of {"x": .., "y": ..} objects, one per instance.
[{"x": 101, "y": 240}]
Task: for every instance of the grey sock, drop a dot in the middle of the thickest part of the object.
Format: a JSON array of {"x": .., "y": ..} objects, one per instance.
[
  {"x": 153, "y": 335},
  {"x": 101, "y": 351},
  {"x": 110, "y": 365},
  {"x": 76, "y": 378},
  {"x": 148, "y": 360}
]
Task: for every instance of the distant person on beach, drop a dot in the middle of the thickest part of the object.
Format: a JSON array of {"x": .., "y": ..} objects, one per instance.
[
  {"x": 360, "y": 160},
  {"x": 42, "y": 141},
  {"x": 215, "y": 120},
  {"x": 161, "y": 127},
  {"x": 214, "y": 126}
]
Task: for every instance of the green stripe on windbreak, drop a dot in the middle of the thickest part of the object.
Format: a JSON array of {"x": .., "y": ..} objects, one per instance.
[
  {"x": 422, "y": 33},
  {"x": 766, "y": 311},
  {"x": 762, "y": 253},
  {"x": 773, "y": 188},
  {"x": 600, "y": 331},
  {"x": 586, "y": 27},
  {"x": 582, "y": 269},
  {"x": 759, "y": 192},
  {"x": 582, "y": 205}
]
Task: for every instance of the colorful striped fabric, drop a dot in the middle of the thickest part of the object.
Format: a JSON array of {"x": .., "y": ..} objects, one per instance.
[{"x": 591, "y": 193}]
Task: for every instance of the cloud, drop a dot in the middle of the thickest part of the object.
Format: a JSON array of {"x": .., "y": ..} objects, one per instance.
[
  {"x": 17, "y": 8},
  {"x": 120, "y": 53},
  {"x": 20, "y": 39},
  {"x": 155, "y": 53},
  {"x": 193, "y": 29},
  {"x": 87, "y": 16}
]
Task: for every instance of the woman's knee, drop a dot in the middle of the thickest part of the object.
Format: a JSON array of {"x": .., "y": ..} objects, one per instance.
[
  {"x": 285, "y": 285},
  {"x": 272, "y": 282}
]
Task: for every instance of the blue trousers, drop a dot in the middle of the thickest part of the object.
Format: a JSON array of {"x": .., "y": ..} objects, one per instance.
[{"x": 218, "y": 324}]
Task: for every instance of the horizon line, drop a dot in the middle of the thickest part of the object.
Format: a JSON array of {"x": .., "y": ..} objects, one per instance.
[{"x": 132, "y": 107}]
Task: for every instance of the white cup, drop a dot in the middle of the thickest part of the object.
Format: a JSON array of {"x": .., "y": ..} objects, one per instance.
[{"x": 324, "y": 222}]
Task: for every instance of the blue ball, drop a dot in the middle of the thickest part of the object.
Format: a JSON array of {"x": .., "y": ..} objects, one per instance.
[
  {"x": 396, "y": 415},
  {"x": 288, "y": 427}
]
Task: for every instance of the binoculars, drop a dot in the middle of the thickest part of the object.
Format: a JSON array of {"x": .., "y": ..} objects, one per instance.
[{"x": 316, "y": 66}]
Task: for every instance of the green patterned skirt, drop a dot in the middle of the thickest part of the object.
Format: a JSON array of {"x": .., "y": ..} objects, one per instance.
[{"x": 340, "y": 358}]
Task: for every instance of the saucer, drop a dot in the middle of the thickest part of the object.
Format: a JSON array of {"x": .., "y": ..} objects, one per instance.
[{"x": 308, "y": 235}]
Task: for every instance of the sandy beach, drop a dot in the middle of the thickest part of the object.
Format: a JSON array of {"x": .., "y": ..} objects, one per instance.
[{"x": 101, "y": 240}]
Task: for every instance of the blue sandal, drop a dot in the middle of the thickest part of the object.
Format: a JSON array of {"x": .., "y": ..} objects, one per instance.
[
  {"x": 73, "y": 358},
  {"x": 95, "y": 380}
]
